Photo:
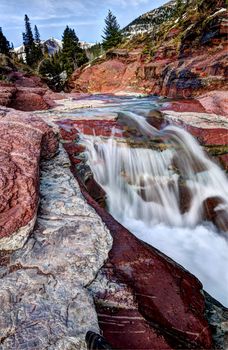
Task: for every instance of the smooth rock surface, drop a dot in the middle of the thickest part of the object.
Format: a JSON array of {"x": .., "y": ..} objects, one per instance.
[{"x": 24, "y": 139}]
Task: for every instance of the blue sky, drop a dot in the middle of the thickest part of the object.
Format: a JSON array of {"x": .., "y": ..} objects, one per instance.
[{"x": 85, "y": 16}]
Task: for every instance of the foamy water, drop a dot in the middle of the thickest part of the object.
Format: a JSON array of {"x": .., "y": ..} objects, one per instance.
[{"x": 143, "y": 188}]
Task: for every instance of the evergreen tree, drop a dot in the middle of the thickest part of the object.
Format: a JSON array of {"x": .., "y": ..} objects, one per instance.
[
  {"x": 29, "y": 43},
  {"x": 72, "y": 55},
  {"x": 4, "y": 44},
  {"x": 38, "y": 49},
  {"x": 112, "y": 34},
  {"x": 37, "y": 35}
]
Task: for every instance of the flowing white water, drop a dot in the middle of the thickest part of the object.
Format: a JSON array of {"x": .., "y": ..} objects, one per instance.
[{"x": 147, "y": 190}]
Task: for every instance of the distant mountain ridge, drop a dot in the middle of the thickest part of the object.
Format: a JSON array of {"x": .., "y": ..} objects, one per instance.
[{"x": 53, "y": 46}]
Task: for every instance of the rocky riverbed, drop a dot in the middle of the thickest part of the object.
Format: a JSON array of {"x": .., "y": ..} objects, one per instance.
[{"x": 68, "y": 266}]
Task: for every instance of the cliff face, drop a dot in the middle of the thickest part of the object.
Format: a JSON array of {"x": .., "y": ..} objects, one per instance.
[{"x": 181, "y": 57}]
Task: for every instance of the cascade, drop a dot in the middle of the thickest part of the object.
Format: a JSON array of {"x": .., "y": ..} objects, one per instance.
[{"x": 159, "y": 194}]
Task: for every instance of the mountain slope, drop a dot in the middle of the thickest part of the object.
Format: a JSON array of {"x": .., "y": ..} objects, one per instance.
[
  {"x": 150, "y": 19},
  {"x": 183, "y": 56}
]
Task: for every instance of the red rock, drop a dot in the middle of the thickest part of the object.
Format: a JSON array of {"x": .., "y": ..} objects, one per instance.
[
  {"x": 29, "y": 100},
  {"x": 214, "y": 136},
  {"x": 224, "y": 161},
  {"x": 119, "y": 317},
  {"x": 169, "y": 298},
  {"x": 25, "y": 80},
  {"x": 26, "y": 93},
  {"x": 213, "y": 213},
  {"x": 185, "y": 106},
  {"x": 166, "y": 73},
  {"x": 7, "y": 92},
  {"x": 96, "y": 191},
  {"x": 23, "y": 140},
  {"x": 215, "y": 102},
  {"x": 70, "y": 129},
  {"x": 169, "y": 306}
]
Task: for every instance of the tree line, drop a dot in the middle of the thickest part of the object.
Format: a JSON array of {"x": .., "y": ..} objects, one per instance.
[{"x": 57, "y": 67}]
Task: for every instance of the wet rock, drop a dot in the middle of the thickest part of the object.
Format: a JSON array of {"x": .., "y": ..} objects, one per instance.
[
  {"x": 217, "y": 316},
  {"x": 224, "y": 161},
  {"x": 156, "y": 119},
  {"x": 69, "y": 129},
  {"x": 23, "y": 140},
  {"x": 119, "y": 316},
  {"x": 96, "y": 191},
  {"x": 215, "y": 211},
  {"x": 209, "y": 129},
  {"x": 188, "y": 105},
  {"x": 162, "y": 290},
  {"x": 185, "y": 197},
  {"x": 96, "y": 341}
]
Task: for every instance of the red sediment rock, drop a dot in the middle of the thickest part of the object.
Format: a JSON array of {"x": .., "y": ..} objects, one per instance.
[
  {"x": 195, "y": 66},
  {"x": 190, "y": 105},
  {"x": 213, "y": 213},
  {"x": 127, "y": 329},
  {"x": 29, "y": 99},
  {"x": 69, "y": 129},
  {"x": 224, "y": 161},
  {"x": 169, "y": 298},
  {"x": 215, "y": 102},
  {"x": 168, "y": 307},
  {"x": 211, "y": 136},
  {"x": 23, "y": 140},
  {"x": 26, "y": 93}
]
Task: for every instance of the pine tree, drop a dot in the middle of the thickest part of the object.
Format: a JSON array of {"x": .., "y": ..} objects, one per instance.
[
  {"x": 72, "y": 55},
  {"x": 4, "y": 44},
  {"x": 38, "y": 49},
  {"x": 112, "y": 34},
  {"x": 29, "y": 43},
  {"x": 37, "y": 35}
]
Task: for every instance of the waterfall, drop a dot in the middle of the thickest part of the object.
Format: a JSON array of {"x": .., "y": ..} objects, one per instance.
[{"x": 159, "y": 194}]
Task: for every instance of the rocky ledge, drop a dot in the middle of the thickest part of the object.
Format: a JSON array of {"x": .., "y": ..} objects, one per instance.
[
  {"x": 44, "y": 300},
  {"x": 24, "y": 139},
  {"x": 78, "y": 269}
]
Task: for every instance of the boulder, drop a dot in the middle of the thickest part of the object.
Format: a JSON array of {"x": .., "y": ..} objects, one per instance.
[
  {"x": 29, "y": 99},
  {"x": 213, "y": 211}
]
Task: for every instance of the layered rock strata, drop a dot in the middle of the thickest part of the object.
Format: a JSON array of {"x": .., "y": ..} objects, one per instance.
[
  {"x": 24, "y": 140},
  {"x": 176, "y": 59}
]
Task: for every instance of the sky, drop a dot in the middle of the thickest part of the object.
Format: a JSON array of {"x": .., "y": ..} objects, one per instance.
[{"x": 52, "y": 16}]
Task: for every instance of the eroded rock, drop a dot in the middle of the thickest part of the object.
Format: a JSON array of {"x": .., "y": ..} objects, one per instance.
[{"x": 23, "y": 140}]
